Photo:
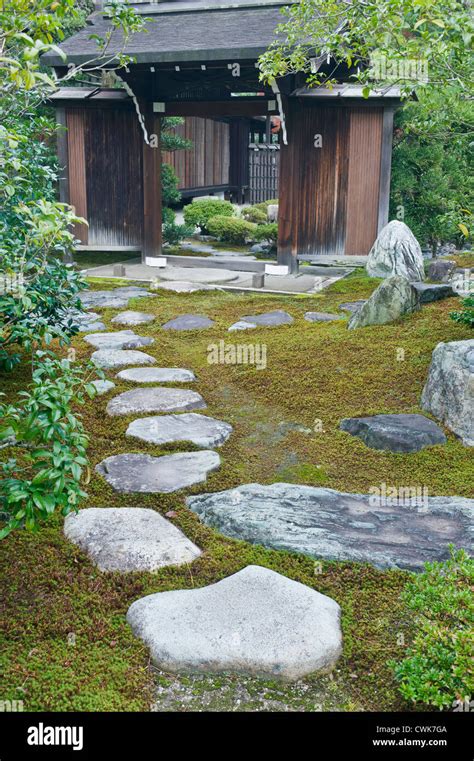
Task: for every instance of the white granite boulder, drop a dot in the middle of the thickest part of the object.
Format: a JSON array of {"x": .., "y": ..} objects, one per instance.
[
  {"x": 161, "y": 399},
  {"x": 449, "y": 390},
  {"x": 394, "y": 298},
  {"x": 129, "y": 539},
  {"x": 255, "y": 622},
  {"x": 396, "y": 252},
  {"x": 142, "y": 473},
  {"x": 110, "y": 358},
  {"x": 164, "y": 429}
]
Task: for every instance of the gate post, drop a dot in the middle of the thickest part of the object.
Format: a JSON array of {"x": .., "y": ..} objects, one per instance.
[{"x": 152, "y": 206}]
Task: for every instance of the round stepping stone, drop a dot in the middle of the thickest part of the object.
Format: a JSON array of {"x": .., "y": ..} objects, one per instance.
[
  {"x": 129, "y": 539},
  {"x": 164, "y": 429},
  {"x": 157, "y": 475},
  {"x": 386, "y": 530},
  {"x": 103, "y": 386},
  {"x": 188, "y": 322},
  {"x": 198, "y": 274},
  {"x": 157, "y": 375},
  {"x": 395, "y": 433},
  {"x": 268, "y": 319},
  {"x": 122, "y": 339},
  {"x": 110, "y": 358},
  {"x": 182, "y": 286},
  {"x": 352, "y": 306},
  {"x": 133, "y": 318},
  {"x": 255, "y": 622},
  {"x": 321, "y": 317},
  {"x": 155, "y": 400}
]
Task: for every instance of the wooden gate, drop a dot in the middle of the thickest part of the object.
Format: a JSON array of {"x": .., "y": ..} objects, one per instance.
[{"x": 264, "y": 171}]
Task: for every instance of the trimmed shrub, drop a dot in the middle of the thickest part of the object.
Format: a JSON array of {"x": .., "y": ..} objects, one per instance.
[
  {"x": 232, "y": 229},
  {"x": 438, "y": 668},
  {"x": 198, "y": 213},
  {"x": 268, "y": 232},
  {"x": 254, "y": 214},
  {"x": 466, "y": 315}
]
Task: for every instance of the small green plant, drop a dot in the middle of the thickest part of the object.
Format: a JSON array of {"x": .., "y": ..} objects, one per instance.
[
  {"x": 466, "y": 314},
  {"x": 47, "y": 442},
  {"x": 438, "y": 668},
  {"x": 198, "y": 213},
  {"x": 255, "y": 214},
  {"x": 232, "y": 229},
  {"x": 267, "y": 232},
  {"x": 173, "y": 234}
]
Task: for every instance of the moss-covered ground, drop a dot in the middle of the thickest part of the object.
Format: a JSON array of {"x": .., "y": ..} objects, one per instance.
[{"x": 66, "y": 644}]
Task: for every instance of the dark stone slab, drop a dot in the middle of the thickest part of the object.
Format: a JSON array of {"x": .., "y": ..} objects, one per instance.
[
  {"x": 268, "y": 319},
  {"x": 352, "y": 306},
  {"x": 428, "y": 292},
  {"x": 322, "y": 317},
  {"x": 440, "y": 270},
  {"x": 189, "y": 322},
  {"x": 395, "y": 433}
]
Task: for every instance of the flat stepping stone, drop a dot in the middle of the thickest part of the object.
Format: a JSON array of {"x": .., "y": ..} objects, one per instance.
[
  {"x": 428, "y": 292},
  {"x": 163, "y": 429},
  {"x": 122, "y": 339},
  {"x": 129, "y": 539},
  {"x": 184, "y": 286},
  {"x": 198, "y": 274},
  {"x": 155, "y": 400},
  {"x": 267, "y": 319},
  {"x": 321, "y": 317},
  {"x": 188, "y": 322},
  {"x": 157, "y": 375},
  {"x": 110, "y": 358},
  {"x": 242, "y": 325},
  {"x": 103, "y": 386},
  {"x": 255, "y": 622},
  {"x": 86, "y": 322},
  {"x": 352, "y": 306},
  {"x": 133, "y": 318},
  {"x": 386, "y": 530},
  {"x": 145, "y": 474},
  {"x": 117, "y": 297},
  {"x": 395, "y": 433}
]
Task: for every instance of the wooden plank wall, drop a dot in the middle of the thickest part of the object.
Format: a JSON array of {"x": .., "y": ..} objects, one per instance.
[
  {"x": 75, "y": 120},
  {"x": 207, "y": 163}
]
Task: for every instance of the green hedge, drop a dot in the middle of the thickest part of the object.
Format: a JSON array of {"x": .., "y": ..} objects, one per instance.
[
  {"x": 255, "y": 214},
  {"x": 268, "y": 232},
  {"x": 198, "y": 213},
  {"x": 232, "y": 229}
]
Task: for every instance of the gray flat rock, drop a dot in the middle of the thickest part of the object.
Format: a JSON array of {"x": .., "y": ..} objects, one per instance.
[
  {"x": 129, "y": 539},
  {"x": 255, "y": 622},
  {"x": 268, "y": 319},
  {"x": 188, "y": 322},
  {"x": 198, "y": 274},
  {"x": 394, "y": 298},
  {"x": 103, "y": 386},
  {"x": 115, "y": 298},
  {"x": 395, "y": 433},
  {"x": 157, "y": 375},
  {"x": 110, "y": 358},
  {"x": 160, "y": 399},
  {"x": 122, "y": 339},
  {"x": 145, "y": 474},
  {"x": 133, "y": 318},
  {"x": 441, "y": 270},
  {"x": 322, "y": 317},
  {"x": 352, "y": 306},
  {"x": 324, "y": 523},
  {"x": 85, "y": 322},
  {"x": 242, "y": 325},
  {"x": 428, "y": 292},
  {"x": 163, "y": 429},
  {"x": 184, "y": 286}
]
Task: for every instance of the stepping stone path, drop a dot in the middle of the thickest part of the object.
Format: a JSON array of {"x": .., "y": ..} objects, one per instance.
[
  {"x": 321, "y": 317},
  {"x": 123, "y": 339},
  {"x": 428, "y": 292},
  {"x": 110, "y": 358},
  {"x": 164, "y": 429},
  {"x": 324, "y": 523},
  {"x": 133, "y": 318},
  {"x": 267, "y": 320},
  {"x": 117, "y": 297},
  {"x": 184, "y": 286},
  {"x": 103, "y": 386},
  {"x": 352, "y": 306},
  {"x": 160, "y": 399},
  {"x": 129, "y": 539},
  {"x": 157, "y": 375},
  {"x": 145, "y": 474},
  {"x": 395, "y": 433},
  {"x": 188, "y": 322},
  {"x": 86, "y": 322},
  {"x": 255, "y": 622}
]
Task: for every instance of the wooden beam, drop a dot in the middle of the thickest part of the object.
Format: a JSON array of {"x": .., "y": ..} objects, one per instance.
[
  {"x": 385, "y": 168},
  {"x": 235, "y": 107},
  {"x": 63, "y": 159},
  {"x": 152, "y": 211}
]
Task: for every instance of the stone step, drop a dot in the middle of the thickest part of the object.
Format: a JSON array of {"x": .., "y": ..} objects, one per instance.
[
  {"x": 164, "y": 429},
  {"x": 122, "y": 339},
  {"x": 110, "y": 358},
  {"x": 157, "y": 375},
  {"x": 160, "y": 399},
  {"x": 144, "y": 474},
  {"x": 133, "y": 318}
]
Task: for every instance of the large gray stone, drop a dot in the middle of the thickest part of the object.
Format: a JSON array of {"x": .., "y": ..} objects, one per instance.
[
  {"x": 394, "y": 298},
  {"x": 395, "y": 433},
  {"x": 163, "y": 429},
  {"x": 441, "y": 270},
  {"x": 255, "y": 622},
  {"x": 325, "y": 523},
  {"x": 122, "y": 339},
  {"x": 129, "y": 539},
  {"x": 110, "y": 358},
  {"x": 396, "y": 252},
  {"x": 428, "y": 292},
  {"x": 155, "y": 400},
  {"x": 268, "y": 319},
  {"x": 449, "y": 390},
  {"x": 321, "y": 317},
  {"x": 154, "y": 475},
  {"x": 157, "y": 375},
  {"x": 188, "y": 322},
  {"x": 133, "y": 318}
]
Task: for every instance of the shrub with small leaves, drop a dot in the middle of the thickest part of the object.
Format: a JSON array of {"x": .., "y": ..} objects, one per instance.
[
  {"x": 438, "y": 669},
  {"x": 198, "y": 213},
  {"x": 255, "y": 214},
  {"x": 267, "y": 233},
  {"x": 466, "y": 314},
  {"x": 232, "y": 230}
]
